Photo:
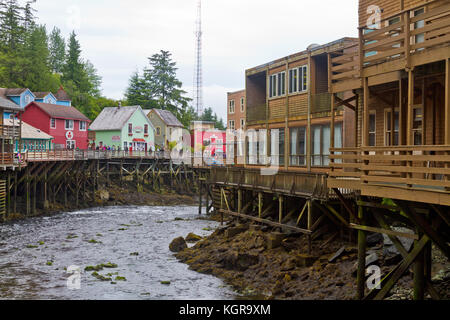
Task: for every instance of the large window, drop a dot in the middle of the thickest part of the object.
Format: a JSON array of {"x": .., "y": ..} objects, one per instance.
[
  {"x": 69, "y": 124},
  {"x": 242, "y": 104},
  {"x": 372, "y": 128},
  {"x": 231, "y": 124},
  {"x": 298, "y": 79},
  {"x": 320, "y": 135},
  {"x": 277, "y": 146},
  {"x": 53, "y": 123},
  {"x": 298, "y": 146},
  {"x": 277, "y": 84}
]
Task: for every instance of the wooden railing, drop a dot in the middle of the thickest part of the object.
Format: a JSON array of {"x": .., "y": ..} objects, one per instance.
[
  {"x": 405, "y": 34},
  {"x": 9, "y": 131},
  {"x": 397, "y": 37},
  {"x": 394, "y": 171},
  {"x": 58, "y": 155},
  {"x": 294, "y": 183}
]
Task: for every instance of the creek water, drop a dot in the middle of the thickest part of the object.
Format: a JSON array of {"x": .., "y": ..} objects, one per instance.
[{"x": 35, "y": 253}]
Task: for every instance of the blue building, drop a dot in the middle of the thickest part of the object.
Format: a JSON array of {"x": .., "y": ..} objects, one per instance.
[{"x": 23, "y": 96}]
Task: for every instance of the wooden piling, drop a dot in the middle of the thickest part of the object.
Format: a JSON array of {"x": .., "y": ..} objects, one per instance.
[
  {"x": 419, "y": 276},
  {"x": 361, "y": 272}
]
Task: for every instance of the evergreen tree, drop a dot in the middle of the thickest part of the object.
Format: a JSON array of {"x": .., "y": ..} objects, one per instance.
[
  {"x": 161, "y": 80},
  {"x": 57, "y": 47},
  {"x": 73, "y": 69},
  {"x": 29, "y": 19},
  {"x": 210, "y": 115},
  {"x": 137, "y": 93}
]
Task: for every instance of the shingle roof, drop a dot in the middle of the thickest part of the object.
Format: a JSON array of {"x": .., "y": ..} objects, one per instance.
[
  {"x": 62, "y": 95},
  {"x": 113, "y": 118},
  {"x": 15, "y": 91},
  {"x": 9, "y": 105},
  {"x": 40, "y": 95},
  {"x": 28, "y": 131},
  {"x": 61, "y": 112},
  {"x": 168, "y": 117}
]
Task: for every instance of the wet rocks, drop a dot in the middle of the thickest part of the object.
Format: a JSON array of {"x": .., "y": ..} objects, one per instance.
[
  {"x": 103, "y": 195},
  {"x": 177, "y": 244},
  {"x": 274, "y": 239},
  {"x": 233, "y": 231},
  {"x": 192, "y": 237},
  {"x": 389, "y": 247}
]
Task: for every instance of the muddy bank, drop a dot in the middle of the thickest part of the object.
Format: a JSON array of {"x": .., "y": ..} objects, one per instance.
[
  {"x": 113, "y": 195},
  {"x": 260, "y": 263}
]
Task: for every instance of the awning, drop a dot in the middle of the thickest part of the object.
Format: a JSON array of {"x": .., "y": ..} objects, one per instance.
[{"x": 138, "y": 140}]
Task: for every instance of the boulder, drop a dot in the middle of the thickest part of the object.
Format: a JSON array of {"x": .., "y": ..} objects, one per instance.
[
  {"x": 390, "y": 249},
  {"x": 177, "y": 244},
  {"x": 233, "y": 231},
  {"x": 273, "y": 240},
  {"x": 305, "y": 260},
  {"x": 192, "y": 237}
]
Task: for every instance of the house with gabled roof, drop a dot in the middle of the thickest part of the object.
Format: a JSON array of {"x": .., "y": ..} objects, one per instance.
[
  {"x": 45, "y": 97},
  {"x": 66, "y": 124},
  {"x": 123, "y": 128},
  {"x": 164, "y": 122}
]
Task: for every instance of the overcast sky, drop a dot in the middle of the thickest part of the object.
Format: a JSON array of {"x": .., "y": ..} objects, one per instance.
[{"x": 117, "y": 36}]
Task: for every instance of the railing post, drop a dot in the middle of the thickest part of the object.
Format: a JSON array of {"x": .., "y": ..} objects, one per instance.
[{"x": 407, "y": 41}]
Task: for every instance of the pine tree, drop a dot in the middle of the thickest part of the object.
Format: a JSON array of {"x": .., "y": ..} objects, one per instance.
[
  {"x": 73, "y": 69},
  {"x": 57, "y": 47},
  {"x": 138, "y": 93},
  {"x": 161, "y": 80}
]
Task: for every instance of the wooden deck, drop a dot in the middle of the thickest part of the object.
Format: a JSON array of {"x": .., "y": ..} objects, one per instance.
[{"x": 413, "y": 173}]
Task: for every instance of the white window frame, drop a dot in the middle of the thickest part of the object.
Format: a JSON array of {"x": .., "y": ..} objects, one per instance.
[
  {"x": 231, "y": 124},
  {"x": 372, "y": 112},
  {"x": 70, "y": 122},
  {"x": 231, "y": 108},
  {"x": 300, "y": 84},
  {"x": 242, "y": 122},
  {"x": 52, "y": 120},
  {"x": 242, "y": 104},
  {"x": 79, "y": 125},
  {"x": 392, "y": 131},
  {"x": 74, "y": 144},
  {"x": 277, "y": 88}
]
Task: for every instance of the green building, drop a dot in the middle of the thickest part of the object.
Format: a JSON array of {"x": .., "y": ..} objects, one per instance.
[{"x": 123, "y": 128}]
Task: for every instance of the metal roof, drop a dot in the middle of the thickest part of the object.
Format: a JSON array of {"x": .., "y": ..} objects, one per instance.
[
  {"x": 9, "y": 105},
  {"x": 113, "y": 118},
  {"x": 168, "y": 118},
  {"x": 28, "y": 131}
]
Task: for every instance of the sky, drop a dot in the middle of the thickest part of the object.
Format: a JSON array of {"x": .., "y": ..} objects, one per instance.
[{"x": 118, "y": 36}]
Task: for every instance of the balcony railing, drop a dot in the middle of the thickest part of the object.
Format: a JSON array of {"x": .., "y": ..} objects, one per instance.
[
  {"x": 9, "y": 131},
  {"x": 394, "y": 172},
  {"x": 397, "y": 37}
]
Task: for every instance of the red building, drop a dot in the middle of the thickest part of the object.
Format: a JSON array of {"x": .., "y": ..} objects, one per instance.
[
  {"x": 66, "y": 124},
  {"x": 208, "y": 143}
]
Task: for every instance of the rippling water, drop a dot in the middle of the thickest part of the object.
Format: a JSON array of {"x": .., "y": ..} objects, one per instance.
[{"x": 39, "y": 273}]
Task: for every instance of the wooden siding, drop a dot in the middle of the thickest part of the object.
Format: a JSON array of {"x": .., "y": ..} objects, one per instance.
[
  {"x": 298, "y": 105},
  {"x": 277, "y": 108}
]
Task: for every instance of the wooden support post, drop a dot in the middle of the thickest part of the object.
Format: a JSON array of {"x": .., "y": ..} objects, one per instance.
[
  {"x": 332, "y": 122},
  {"x": 260, "y": 204},
  {"x": 107, "y": 173},
  {"x": 309, "y": 225},
  {"x": 221, "y": 206},
  {"x": 15, "y": 192},
  {"x": 419, "y": 279},
  {"x": 409, "y": 113},
  {"x": 66, "y": 183},
  {"x": 34, "y": 195},
  {"x": 207, "y": 196},
  {"x": 121, "y": 172},
  {"x": 27, "y": 179},
  {"x": 8, "y": 194},
  {"x": 366, "y": 112},
  {"x": 199, "y": 195},
  {"x": 361, "y": 272},
  {"x": 239, "y": 206},
  {"x": 447, "y": 102},
  {"x": 280, "y": 209}
]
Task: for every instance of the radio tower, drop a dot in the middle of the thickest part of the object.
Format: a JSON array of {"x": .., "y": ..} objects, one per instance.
[{"x": 198, "y": 74}]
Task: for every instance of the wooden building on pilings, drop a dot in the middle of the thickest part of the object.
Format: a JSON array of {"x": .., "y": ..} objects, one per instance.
[{"x": 399, "y": 162}]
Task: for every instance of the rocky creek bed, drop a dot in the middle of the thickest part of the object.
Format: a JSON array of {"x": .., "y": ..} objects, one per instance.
[{"x": 260, "y": 263}]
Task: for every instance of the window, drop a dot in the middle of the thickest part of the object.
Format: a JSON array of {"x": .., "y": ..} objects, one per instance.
[
  {"x": 277, "y": 146},
  {"x": 298, "y": 146},
  {"x": 125, "y": 145},
  {"x": 369, "y": 30},
  {"x": 82, "y": 125},
  {"x": 388, "y": 127},
  {"x": 320, "y": 143},
  {"x": 231, "y": 109},
  {"x": 130, "y": 129},
  {"x": 53, "y": 123},
  {"x": 27, "y": 99},
  {"x": 242, "y": 122},
  {"x": 293, "y": 80},
  {"x": 70, "y": 144},
  {"x": 146, "y": 129},
  {"x": 418, "y": 38},
  {"x": 417, "y": 125},
  {"x": 231, "y": 124},
  {"x": 298, "y": 79},
  {"x": 372, "y": 128},
  {"x": 158, "y": 131},
  {"x": 242, "y": 104},
  {"x": 277, "y": 84},
  {"x": 69, "y": 124}
]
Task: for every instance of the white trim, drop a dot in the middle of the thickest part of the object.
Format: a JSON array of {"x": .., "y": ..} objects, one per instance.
[
  {"x": 70, "y": 121},
  {"x": 231, "y": 107},
  {"x": 79, "y": 125}
]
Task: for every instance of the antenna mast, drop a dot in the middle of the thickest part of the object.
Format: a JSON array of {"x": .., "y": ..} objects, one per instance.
[{"x": 198, "y": 74}]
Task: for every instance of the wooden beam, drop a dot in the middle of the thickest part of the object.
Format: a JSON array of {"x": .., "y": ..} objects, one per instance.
[
  {"x": 447, "y": 102},
  {"x": 409, "y": 113},
  {"x": 385, "y": 231},
  {"x": 365, "y": 134}
]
